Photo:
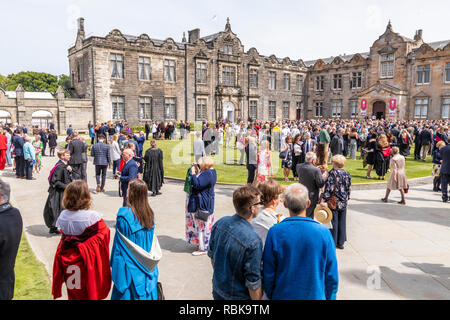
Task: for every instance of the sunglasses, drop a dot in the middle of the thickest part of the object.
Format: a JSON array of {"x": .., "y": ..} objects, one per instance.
[{"x": 258, "y": 204}]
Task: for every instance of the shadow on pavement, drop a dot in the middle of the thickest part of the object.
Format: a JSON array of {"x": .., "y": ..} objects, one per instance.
[
  {"x": 175, "y": 245},
  {"x": 40, "y": 230}
]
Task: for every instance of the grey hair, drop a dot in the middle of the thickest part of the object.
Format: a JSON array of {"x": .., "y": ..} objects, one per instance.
[
  {"x": 296, "y": 198},
  {"x": 5, "y": 191},
  {"x": 310, "y": 157}
]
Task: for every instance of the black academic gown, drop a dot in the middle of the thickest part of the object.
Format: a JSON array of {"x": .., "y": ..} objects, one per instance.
[
  {"x": 154, "y": 169},
  {"x": 61, "y": 177}
]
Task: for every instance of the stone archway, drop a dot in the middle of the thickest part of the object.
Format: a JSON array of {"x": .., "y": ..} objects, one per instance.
[
  {"x": 228, "y": 111},
  {"x": 40, "y": 119},
  {"x": 379, "y": 109}
]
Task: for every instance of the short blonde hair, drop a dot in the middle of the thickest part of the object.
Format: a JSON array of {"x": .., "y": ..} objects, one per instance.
[
  {"x": 206, "y": 163},
  {"x": 338, "y": 160},
  {"x": 395, "y": 150}
]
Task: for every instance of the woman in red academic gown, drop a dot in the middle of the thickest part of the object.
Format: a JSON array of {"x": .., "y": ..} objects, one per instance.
[
  {"x": 3, "y": 148},
  {"x": 82, "y": 257}
]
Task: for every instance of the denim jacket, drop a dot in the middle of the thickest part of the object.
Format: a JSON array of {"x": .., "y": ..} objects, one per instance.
[{"x": 236, "y": 250}]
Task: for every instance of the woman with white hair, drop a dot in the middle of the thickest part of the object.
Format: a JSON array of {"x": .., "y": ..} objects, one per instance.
[{"x": 29, "y": 154}]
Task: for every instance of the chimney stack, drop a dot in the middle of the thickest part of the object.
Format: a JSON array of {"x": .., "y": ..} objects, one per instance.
[
  {"x": 418, "y": 35},
  {"x": 194, "y": 35},
  {"x": 81, "y": 27}
]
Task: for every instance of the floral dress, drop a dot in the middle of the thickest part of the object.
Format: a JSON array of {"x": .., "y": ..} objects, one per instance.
[
  {"x": 198, "y": 232},
  {"x": 38, "y": 146},
  {"x": 264, "y": 164}
]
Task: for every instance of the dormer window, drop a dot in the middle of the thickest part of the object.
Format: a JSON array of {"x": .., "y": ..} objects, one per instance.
[
  {"x": 387, "y": 65},
  {"x": 227, "y": 49}
]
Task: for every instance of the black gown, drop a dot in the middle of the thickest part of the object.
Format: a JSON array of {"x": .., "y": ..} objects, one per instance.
[
  {"x": 61, "y": 177},
  {"x": 154, "y": 169}
]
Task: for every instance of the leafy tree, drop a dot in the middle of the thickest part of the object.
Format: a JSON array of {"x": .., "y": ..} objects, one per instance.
[{"x": 36, "y": 81}]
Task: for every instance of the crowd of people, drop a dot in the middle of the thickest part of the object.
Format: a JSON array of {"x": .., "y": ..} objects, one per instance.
[{"x": 256, "y": 253}]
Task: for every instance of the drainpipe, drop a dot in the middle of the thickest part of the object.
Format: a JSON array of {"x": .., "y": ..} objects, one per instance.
[{"x": 93, "y": 87}]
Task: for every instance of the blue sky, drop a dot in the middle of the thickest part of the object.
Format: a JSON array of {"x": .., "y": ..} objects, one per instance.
[{"x": 37, "y": 33}]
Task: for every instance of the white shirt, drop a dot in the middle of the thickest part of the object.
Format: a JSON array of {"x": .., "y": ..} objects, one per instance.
[{"x": 74, "y": 223}]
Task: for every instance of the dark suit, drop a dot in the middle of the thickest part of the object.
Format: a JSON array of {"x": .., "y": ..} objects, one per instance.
[
  {"x": 311, "y": 177},
  {"x": 10, "y": 234},
  {"x": 100, "y": 152},
  {"x": 44, "y": 141},
  {"x": 337, "y": 145},
  {"x": 129, "y": 172},
  {"x": 251, "y": 160},
  {"x": 77, "y": 148},
  {"x": 18, "y": 143},
  {"x": 445, "y": 171}
]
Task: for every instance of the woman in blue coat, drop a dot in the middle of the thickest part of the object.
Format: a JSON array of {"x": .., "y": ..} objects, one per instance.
[
  {"x": 132, "y": 279},
  {"x": 204, "y": 179}
]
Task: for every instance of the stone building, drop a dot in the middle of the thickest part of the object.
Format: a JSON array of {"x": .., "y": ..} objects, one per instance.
[
  {"x": 38, "y": 109},
  {"x": 137, "y": 78}
]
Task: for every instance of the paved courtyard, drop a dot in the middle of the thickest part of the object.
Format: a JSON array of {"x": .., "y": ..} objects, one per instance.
[{"x": 392, "y": 252}]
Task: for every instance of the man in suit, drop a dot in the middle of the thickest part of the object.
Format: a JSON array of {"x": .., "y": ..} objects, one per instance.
[
  {"x": 76, "y": 148},
  {"x": 417, "y": 145},
  {"x": 100, "y": 152},
  {"x": 129, "y": 172},
  {"x": 44, "y": 140},
  {"x": 313, "y": 179},
  {"x": 147, "y": 130},
  {"x": 426, "y": 139},
  {"x": 309, "y": 144},
  {"x": 337, "y": 143},
  {"x": 18, "y": 143},
  {"x": 11, "y": 232},
  {"x": 445, "y": 170}
]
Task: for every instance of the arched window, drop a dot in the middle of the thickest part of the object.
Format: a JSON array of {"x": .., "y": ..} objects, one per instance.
[
  {"x": 41, "y": 119},
  {"x": 5, "y": 116}
]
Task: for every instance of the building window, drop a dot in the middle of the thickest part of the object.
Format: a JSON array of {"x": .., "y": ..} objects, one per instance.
[
  {"x": 144, "y": 68},
  {"x": 145, "y": 108},
  {"x": 227, "y": 49},
  {"x": 169, "y": 108},
  {"x": 354, "y": 108},
  {"x": 201, "y": 72},
  {"x": 285, "y": 110},
  {"x": 80, "y": 71},
  {"x": 299, "y": 83},
  {"x": 228, "y": 76},
  {"x": 387, "y": 65},
  {"x": 421, "y": 108},
  {"x": 336, "y": 109},
  {"x": 445, "y": 108},
  {"x": 272, "y": 110},
  {"x": 118, "y": 108},
  {"x": 200, "y": 111},
  {"x": 447, "y": 72},
  {"x": 253, "y": 78},
  {"x": 337, "y": 82},
  {"x": 319, "y": 109},
  {"x": 320, "y": 80},
  {"x": 253, "y": 109},
  {"x": 356, "y": 82},
  {"x": 287, "y": 81},
  {"x": 116, "y": 61},
  {"x": 169, "y": 70},
  {"x": 272, "y": 80},
  {"x": 423, "y": 74}
]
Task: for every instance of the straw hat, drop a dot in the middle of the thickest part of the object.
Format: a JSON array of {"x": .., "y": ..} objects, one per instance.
[{"x": 323, "y": 214}]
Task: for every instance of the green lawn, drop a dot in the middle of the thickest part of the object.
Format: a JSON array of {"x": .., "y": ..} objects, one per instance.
[
  {"x": 32, "y": 280},
  {"x": 178, "y": 156}
]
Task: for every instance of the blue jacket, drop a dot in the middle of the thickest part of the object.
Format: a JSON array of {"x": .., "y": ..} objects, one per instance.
[
  {"x": 140, "y": 141},
  {"x": 18, "y": 143},
  {"x": 100, "y": 152},
  {"x": 299, "y": 261},
  {"x": 203, "y": 195},
  {"x": 29, "y": 152},
  {"x": 132, "y": 280},
  {"x": 129, "y": 172},
  {"x": 445, "y": 155},
  {"x": 236, "y": 250}
]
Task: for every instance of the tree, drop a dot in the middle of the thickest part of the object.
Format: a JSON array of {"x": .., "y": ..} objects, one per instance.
[{"x": 36, "y": 81}]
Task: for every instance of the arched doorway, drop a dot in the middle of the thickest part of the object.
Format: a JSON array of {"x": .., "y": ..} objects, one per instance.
[
  {"x": 228, "y": 111},
  {"x": 40, "y": 119},
  {"x": 379, "y": 110},
  {"x": 5, "y": 117}
]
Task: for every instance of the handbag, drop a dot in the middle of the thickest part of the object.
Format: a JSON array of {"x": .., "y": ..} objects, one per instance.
[
  {"x": 202, "y": 215},
  {"x": 333, "y": 199},
  {"x": 283, "y": 155},
  {"x": 406, "y": 189}
]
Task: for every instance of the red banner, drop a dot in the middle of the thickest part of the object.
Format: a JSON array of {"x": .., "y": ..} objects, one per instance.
[
  {"x": 392, "y": 107},
  {"x": 363, "y": 107}
]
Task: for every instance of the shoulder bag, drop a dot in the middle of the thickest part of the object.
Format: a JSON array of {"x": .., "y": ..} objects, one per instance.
[{"x": 333, "y": 199}]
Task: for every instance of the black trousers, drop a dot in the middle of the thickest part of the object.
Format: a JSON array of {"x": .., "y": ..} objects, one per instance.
[
  {"x": 251, "y": 173},
  {"x": 101, "y": 171},
  {"x": 28, "y": 170},
  {"x": 339, "y": 231},
  {"x": 296, "y": 160},
  {"x": 44, "y": 146},
  {"x": 445, "y": 180},
  {"x": 417, "y": 148},
  {"x": 20, "y": 166},
  {"x": 77, "y": 171},
  {"x": 146, "y": 135}
]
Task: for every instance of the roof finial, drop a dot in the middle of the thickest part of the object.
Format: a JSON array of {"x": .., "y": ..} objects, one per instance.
[
  {"x": 228, "y": 26},
  {"x": 184, "y": 37},
  {"x": 389, "y": 26}
]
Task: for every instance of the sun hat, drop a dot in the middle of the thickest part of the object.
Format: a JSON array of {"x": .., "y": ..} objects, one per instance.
[{"x": 323, "y": 214}]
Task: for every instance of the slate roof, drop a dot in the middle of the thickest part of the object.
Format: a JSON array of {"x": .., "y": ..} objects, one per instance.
[
  {"x": 346, "y": 58},
  {"x": 157, "y": 42},
  {"x": 439, "y": 44}
]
